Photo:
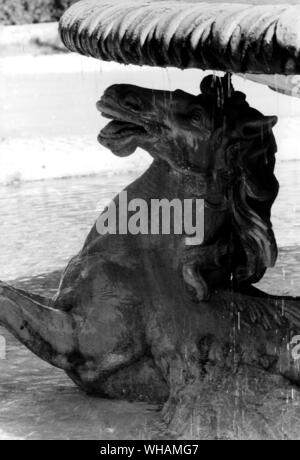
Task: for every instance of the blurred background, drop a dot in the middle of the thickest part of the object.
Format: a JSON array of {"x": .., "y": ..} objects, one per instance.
[{"x": 32, "y": 11}]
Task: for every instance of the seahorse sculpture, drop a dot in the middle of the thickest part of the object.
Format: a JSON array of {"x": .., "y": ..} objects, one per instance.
[
  {"x": 128, "y": 319},
  {"x": 120, "y": 291}
]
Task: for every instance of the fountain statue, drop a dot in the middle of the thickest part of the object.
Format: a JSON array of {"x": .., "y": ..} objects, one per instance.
[{"x": 155, "y": 316}]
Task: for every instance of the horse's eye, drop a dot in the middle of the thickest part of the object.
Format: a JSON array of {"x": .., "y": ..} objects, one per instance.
[{"x": 196, "y": 116}]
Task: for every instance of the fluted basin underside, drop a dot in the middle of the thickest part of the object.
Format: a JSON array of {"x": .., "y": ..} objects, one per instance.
[{"x": 222, "y": 36}]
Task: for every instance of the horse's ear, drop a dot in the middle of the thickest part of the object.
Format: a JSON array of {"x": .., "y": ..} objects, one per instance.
[
  {"x": 258, "y": 126},
  {"x": 217, "y": 87}
]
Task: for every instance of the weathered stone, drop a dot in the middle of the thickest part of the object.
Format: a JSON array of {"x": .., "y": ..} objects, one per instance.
[{"x": 221, "y": 36}]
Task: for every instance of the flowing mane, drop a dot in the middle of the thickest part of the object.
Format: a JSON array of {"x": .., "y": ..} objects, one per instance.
[
  {"x": 251, "y": 187},
  {"x": 252, "y": 194}
]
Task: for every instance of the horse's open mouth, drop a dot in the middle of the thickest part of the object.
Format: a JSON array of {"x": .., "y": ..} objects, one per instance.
[{"x": 117, "y": 129}]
